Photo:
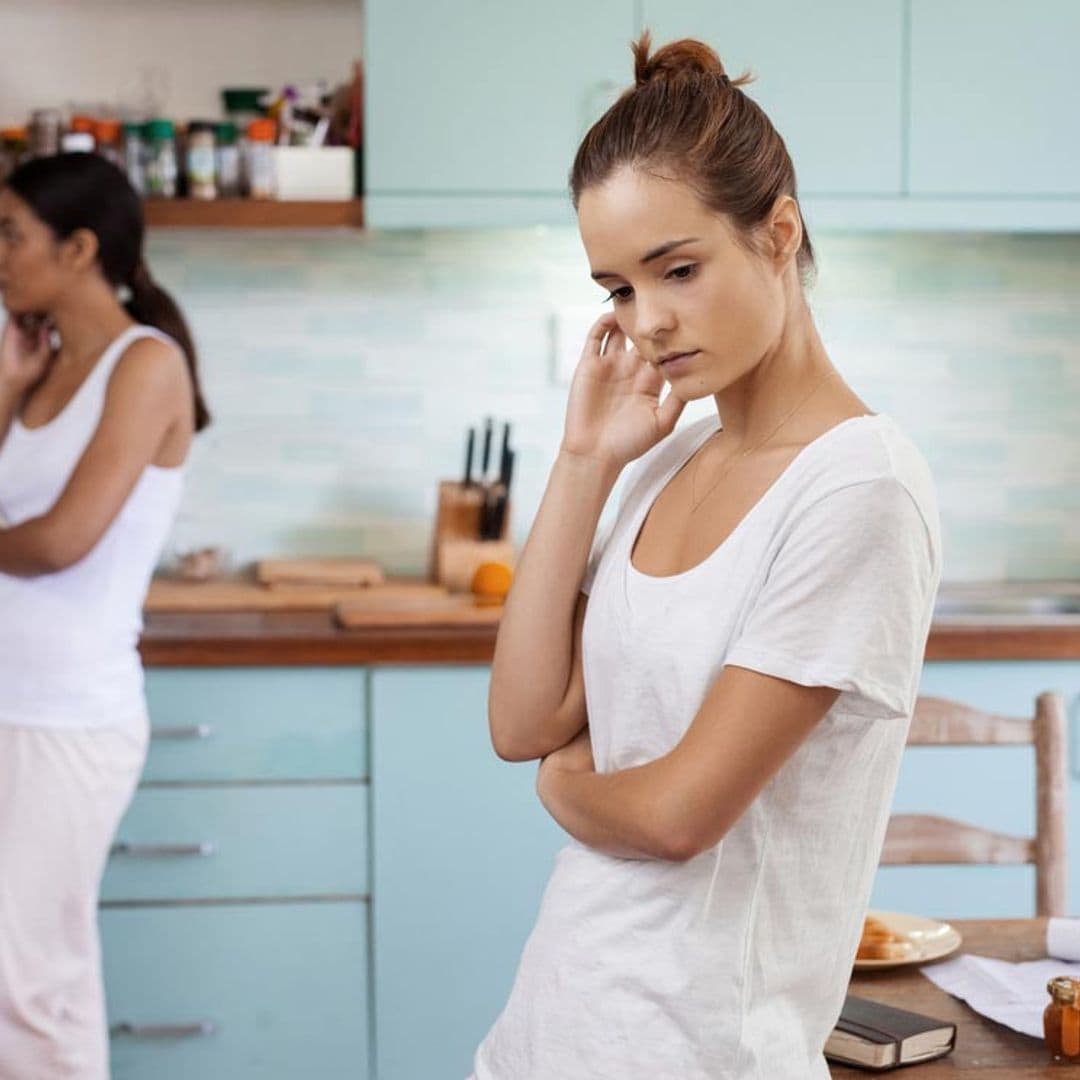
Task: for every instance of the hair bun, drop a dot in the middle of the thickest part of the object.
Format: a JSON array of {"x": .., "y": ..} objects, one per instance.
[{"x": 678, "y": 59}]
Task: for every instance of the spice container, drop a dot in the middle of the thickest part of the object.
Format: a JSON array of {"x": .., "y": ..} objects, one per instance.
[
  {"x": 260, "y": 159},
  {"x": 228, "y": 161},
  {"x": 135, "y": 157},
  {"x": 109, "y": 137},
  {"x": 1061, "y": 1019},
  {"x": 12, "y": 150},
  {"x": 44, "y": 132},
  {"x": 201, "y": 166},
  {"x": 160, "y": 159}
]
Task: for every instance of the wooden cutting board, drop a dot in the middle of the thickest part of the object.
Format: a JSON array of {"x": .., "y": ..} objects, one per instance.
[
  {"x": 353, "y": 572},
  {"x": 371, "y": 611},
  {"x": 241, "y": 595}
]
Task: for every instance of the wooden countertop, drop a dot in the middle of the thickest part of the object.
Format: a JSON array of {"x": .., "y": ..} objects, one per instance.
[
  {"x": 297, "y": 639},
  {"x": 983, "y": 1048}
]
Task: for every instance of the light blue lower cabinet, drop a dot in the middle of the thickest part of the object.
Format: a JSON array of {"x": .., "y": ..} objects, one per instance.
[
  {"x": 992, "y": 786},
  {"x": 461, "y": 852},
  {"x": 274, "y": 991}
]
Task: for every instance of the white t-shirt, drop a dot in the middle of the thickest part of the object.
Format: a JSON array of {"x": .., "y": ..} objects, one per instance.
[{"x": 734, "y": 965}]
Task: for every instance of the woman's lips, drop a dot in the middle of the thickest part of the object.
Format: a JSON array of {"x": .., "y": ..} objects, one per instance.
[{"x": 676, "y": 363}]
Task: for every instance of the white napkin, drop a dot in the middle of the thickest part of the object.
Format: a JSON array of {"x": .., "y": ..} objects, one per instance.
[
  {"x": 1012, "y": 994},
  {"x": 1063, "y": 938}
]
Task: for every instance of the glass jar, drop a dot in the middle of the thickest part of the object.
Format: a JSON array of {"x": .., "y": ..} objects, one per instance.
[
  {"x": 110, "y": 143},
  {"x": 135, "y": 156},
  {"x": 260, "y": 159},
  {"x": 228, "y": 161},
  {"x": 45, "y": 132},
  {"x": 160, "y": 160},
  {"x": 1061, "y": 1019},
  {"x": 201, "y": 166}
]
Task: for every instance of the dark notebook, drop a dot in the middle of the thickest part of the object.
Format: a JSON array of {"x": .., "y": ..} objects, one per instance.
[{"x": 879, "y": 1037}]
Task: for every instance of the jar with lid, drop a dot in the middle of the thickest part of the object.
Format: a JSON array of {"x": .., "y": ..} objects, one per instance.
[
  {"x": 109, "y": 137},
  {"x": 1061, "y": 1019},
  {"x": 134, "y": 161},
  {"x": 201, "y": 166},
  {"x": 228, "y": 160},
  {"x": 261, "y": 183},
  {"x": 161, "y": 170},
  {"x": 12, "y": 150},
  {"x": 44, "y": 132}
]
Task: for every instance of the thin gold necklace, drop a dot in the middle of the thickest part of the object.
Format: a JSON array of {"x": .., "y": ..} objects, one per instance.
[{"x": 736, "y": 458}]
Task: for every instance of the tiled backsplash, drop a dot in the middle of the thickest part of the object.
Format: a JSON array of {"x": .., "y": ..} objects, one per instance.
[{"x": 343, "y": 370}]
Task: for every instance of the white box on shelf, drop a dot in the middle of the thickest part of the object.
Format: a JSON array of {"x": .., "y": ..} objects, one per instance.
[{"x": 315, "y": 173}]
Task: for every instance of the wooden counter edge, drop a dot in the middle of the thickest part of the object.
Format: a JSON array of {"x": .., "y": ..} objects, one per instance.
[{"x": 248, "y": 639}]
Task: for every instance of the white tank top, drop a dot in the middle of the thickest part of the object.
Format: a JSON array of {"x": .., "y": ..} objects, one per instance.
[{"x": 68, "y": 640}]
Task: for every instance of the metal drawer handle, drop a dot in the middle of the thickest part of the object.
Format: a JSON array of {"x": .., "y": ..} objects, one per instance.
[
  {"x": 193, "y": 731},
  {"x": 165, "y": 1031},
  {"x": 152, "y": 851}
]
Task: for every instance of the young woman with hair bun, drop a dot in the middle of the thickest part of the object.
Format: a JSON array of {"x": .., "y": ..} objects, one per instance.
[
  {"x": 719, "y": 685},
  {"x": 99, "y": 400}
]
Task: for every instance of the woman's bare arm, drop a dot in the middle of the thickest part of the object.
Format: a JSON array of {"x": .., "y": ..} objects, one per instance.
[
  {"x": 140, "y": 409},
  {"x": 614, "y": 415}
]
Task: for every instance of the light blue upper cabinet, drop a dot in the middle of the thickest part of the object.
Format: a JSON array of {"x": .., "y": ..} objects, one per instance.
[
  {"x": 994, "y": 98},
  {"x": 830, "y": 77},
  {"x": 474, "y": 109}
]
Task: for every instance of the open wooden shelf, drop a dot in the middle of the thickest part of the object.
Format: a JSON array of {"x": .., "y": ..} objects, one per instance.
[{"x": 252, "y": 214}]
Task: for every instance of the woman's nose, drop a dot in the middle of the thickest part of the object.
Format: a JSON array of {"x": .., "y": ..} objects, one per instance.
[{"x": 652, "y": 318}]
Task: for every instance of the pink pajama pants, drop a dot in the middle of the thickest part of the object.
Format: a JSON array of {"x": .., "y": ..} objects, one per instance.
[{"x": 62, "y": 794}]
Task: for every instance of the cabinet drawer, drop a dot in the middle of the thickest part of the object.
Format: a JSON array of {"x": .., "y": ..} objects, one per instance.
[
  {"x": 237, "y": 842},
  {"x": 266, "y": 992},
  {"x": 256, "y": 724}
]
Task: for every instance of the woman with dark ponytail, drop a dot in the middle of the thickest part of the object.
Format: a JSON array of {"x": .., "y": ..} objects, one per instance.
[
  {"x": 99, "y": 400},
  {"x": 719, "y": 685}
]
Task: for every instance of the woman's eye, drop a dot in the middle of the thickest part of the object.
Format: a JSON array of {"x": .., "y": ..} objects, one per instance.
[
  {"x": 620, "y": 294},
  {"x": 683, "y": 272}
]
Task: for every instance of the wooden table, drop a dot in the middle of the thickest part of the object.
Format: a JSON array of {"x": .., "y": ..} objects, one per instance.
[{"x": 983, "y": 1048}]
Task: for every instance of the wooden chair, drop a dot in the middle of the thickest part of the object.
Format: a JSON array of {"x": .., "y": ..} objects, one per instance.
[{"x": 919, "y": 838}]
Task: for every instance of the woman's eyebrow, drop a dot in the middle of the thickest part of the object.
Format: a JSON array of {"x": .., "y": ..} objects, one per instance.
[{"x": 656, "y": 252}]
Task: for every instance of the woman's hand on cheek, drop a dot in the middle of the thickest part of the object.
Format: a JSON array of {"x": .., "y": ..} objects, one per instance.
[{"x": 614, "y": 413}]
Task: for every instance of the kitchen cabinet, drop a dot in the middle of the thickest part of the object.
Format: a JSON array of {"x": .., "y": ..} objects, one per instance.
[
  {"x": 992, "y": 786},
  {"x": 461, "y": 850},
  {"x": 837, "y": 107},
  {"x": 901, "y": 114},
  {"x": 993, "y": 99},
  {"x": 235, "y": 902},
  {"x": 474, "y": 109}
]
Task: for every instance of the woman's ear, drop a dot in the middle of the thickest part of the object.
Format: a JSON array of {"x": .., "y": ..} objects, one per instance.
[
  {"x": 79, "y": 251},
  {"x": 785, "y": 230}
]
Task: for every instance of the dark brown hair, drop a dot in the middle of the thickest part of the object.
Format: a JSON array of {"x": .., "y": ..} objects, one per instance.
[
  {"x": 84, "y": 191},
  {"x": 685, "y": 118}
]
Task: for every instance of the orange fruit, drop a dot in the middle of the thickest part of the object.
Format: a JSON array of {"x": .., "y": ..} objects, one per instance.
[{"x": 491, "y": 582}]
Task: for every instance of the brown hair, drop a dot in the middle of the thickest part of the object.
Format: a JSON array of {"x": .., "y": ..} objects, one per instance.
[{"x": 684, "y": 117}]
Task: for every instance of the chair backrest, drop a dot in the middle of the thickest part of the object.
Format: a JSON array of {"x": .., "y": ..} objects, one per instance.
[{"x": 919, "y": 838}]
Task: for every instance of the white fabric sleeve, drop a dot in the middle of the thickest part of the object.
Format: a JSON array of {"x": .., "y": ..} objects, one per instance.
[{"x": 846, "y": 602}]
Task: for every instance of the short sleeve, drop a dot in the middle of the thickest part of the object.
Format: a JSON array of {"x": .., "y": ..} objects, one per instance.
[{"x": 847, "y": 600}]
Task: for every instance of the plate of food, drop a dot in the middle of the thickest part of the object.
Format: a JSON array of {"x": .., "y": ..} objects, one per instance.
[{"x": 892, "y": 939}]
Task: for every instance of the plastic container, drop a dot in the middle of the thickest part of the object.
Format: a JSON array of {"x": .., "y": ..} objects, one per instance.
[
  {"x": 201, "y": 163},
  {"x": 77, "y": 142},
  {"x": 134, "y": 160},
  {"x": 261, "y": 182},
  {"x": 161, "y": 169},
  {"x": 227, "y": 152}
]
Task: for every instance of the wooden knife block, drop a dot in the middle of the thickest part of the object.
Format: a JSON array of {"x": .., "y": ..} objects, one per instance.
[{"x": 456, "y": 551}]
